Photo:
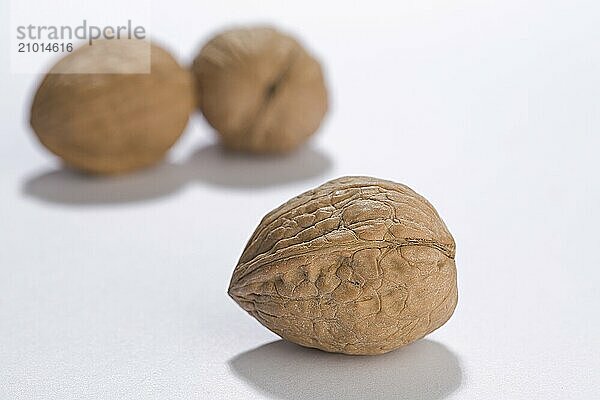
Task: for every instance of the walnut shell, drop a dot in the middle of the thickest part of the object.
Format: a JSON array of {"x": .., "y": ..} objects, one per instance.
[
  {"x": 113, "y": 122},
  {"x": 358, "y": 265},
  {"x": 260, "y": 89}
]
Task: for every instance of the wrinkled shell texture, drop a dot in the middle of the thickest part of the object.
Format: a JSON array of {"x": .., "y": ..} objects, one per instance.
[
  {"x": 358, "y": 266},
  {"x": 113, "y": 122},
  {"x": 260, "y": 90}
]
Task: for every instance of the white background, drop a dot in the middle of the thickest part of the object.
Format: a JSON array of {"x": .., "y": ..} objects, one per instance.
[{"x": 116, "y": 288}]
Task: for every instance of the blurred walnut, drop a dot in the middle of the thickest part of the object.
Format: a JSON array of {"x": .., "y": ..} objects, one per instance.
[
  {"x": 113, "y": 122},
  {"x": 358, "y": 265},
  {"x": 260, "y": 90}
]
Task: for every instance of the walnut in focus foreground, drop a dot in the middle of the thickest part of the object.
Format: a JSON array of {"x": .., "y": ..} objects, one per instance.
[
  {"x": 358, "y": 265},
  {"x": 113, "y": 122},
  {"x": 260, "y": 89}
]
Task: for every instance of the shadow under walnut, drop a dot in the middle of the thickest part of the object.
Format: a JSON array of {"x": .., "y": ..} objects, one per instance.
[
  {"x": 211, "y": 164},
  {"x": 426, "y": 370}
]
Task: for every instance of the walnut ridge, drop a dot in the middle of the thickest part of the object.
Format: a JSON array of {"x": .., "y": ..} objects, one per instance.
[
  {"x": 260, "y": 89},
  {"x": 113, "y": 122},
  {"x": 358, "y": 265}
]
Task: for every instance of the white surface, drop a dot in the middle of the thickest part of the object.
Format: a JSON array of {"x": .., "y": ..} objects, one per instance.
[{"x": 115, "y": 289}]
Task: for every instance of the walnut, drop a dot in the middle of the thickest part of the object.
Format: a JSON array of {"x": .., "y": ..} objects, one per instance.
[
  {"x": 260, "y": 89},
  {"x": 358, "y": 265},
  {"x": 113, "y": 122}
]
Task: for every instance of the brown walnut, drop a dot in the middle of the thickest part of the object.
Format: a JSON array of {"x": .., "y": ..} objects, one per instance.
[
  {"x": 113, "y": 122},
  {"x": 358, "y": 265},
  {"x": 260, "y": 89}
]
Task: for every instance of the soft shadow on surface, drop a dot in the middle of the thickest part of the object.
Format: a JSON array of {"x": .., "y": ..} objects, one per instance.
[
  {"x": 424, "y": 370},
  {"x": 210, "y": 164},
  {"x": 215, "y": 165},
  {"x": 71, "y": 187}
]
